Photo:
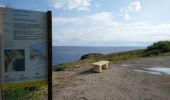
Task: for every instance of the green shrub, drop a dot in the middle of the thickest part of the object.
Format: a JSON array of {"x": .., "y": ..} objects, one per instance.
[
  {"x": 120, "y": 56},
  {"x": 151, "y": 53},
  {"x": 33, "y": 93},
  {"x": 60, "y": 68},
  {"x": 162, "y": 46}
]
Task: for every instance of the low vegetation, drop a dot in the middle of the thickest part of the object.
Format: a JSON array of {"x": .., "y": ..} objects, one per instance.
[
  {"x": 160, "y": 48},
  {"x": 31, "y": 93}
]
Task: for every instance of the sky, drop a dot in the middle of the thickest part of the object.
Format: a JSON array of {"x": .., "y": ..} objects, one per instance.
[{"x": 103, "y": 22}]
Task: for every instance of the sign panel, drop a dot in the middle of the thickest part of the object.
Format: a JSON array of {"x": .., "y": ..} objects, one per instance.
[{"x": 23, "y": 48}]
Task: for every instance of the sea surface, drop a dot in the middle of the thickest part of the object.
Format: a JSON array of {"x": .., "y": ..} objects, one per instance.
[{"x": 65, "y": 54}]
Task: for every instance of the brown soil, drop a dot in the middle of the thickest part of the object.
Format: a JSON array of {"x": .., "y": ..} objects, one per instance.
[{"x": 116, "y": 83}]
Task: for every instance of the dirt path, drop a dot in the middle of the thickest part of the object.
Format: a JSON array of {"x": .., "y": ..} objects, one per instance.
[{"x": 116, "y": 83}]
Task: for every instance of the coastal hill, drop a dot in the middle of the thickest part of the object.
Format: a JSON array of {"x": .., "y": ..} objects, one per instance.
[{"x": 160, "y": 48}]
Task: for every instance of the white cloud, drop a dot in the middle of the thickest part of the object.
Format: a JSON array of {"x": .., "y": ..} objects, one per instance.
[
  {"x": 126, "y": 16},
  {"x": 132, "y": 7},
  {"x": 68, "y": 20},
  {"x": 98, "y": 4},
  {"x": 133, "y": 33},
  {"x": 79, "y": 5},
  {"x": 2, "y": 5},
  {"x": 106, "y": 31},
  {"x": 103, "y": 18}
]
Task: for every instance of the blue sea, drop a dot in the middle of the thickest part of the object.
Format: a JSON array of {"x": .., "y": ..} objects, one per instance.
[{"x": 65, "y": 54}]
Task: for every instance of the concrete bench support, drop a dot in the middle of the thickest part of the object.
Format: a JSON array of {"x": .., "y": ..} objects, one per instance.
[{"x": 98, "y": 66}]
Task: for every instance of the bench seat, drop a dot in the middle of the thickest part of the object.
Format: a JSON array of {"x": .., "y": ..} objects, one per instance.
[{"x": 98, "y": 66}]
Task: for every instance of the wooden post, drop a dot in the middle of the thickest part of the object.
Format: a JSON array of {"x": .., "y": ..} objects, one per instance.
[{"x": 49, "y": 35}]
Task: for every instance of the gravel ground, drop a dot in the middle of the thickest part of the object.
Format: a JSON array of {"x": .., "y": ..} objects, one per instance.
[{"x": 119, "y": 82}]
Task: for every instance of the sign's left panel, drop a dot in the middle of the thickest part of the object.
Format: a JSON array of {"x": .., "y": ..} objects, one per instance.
[{"x": 23, "y": 48}]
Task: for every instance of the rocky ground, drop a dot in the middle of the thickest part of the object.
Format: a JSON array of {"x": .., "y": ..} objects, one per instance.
[{"x": 119, "y": 82}]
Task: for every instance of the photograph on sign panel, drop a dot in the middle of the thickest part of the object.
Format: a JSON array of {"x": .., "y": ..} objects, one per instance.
[
  {"x": 14, "y": 60},
  {"x": 37, "y": 53}
]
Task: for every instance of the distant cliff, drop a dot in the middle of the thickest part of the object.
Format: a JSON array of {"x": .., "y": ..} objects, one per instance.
[{"x": 91, "y": 55}]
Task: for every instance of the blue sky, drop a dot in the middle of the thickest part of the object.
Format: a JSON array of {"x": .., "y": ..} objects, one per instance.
[{"x": 104, "y": 22}]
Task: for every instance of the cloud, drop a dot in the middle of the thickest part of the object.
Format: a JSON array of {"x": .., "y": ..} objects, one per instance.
[
  {"x": 2, "y": 5},
  {"x": 138, "y": 34},
  {"x": 78, "y": 5},
  {"x": 106, "y": 31},
  {"x": 102, "y": 18},
  {"x": 132, "y": 7},
  {"x": 98, "y": 5}
]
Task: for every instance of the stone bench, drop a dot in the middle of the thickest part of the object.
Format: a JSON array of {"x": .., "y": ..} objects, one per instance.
[{"x": 98, "y": 66}]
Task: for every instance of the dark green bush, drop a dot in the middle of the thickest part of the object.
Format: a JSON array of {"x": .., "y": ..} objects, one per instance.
[
  {"x": 151, "y": 53},
  {"x": 59, "y": 69},
  {"x": 162, "y": 46}
]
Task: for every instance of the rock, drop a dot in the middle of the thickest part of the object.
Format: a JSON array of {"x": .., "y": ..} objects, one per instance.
[{"x": 92, "y": 55}]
